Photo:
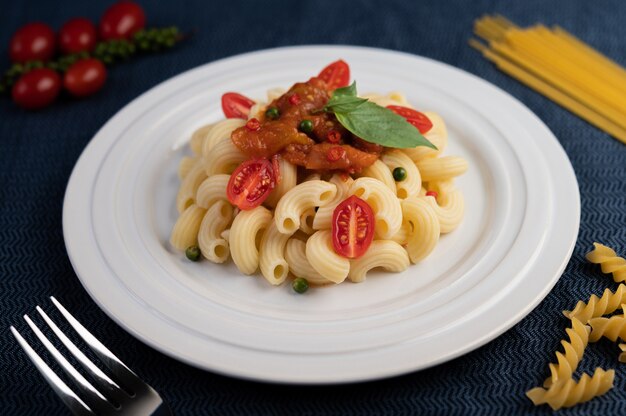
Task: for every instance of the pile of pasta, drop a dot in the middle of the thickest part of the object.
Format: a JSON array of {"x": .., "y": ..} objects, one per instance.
[
  {"x": 588, "y": 325},
  {"x": 291, "y": 231}
]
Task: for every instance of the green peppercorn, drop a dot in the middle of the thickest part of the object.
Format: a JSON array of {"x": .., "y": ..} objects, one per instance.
[
  {"x": 300, "y": 285},
  {"x": 272, "y": 113},
  {"x": 193, "y": 253},
  {"x": 306, "y": 126},
  {"x": 399, "y": 174}
]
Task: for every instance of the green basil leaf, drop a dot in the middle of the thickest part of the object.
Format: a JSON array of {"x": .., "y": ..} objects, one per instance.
[
  {"x": 350, "y": 90},
  {"x": 343, "y": 103},
  {"x": 380, "y": 125}
]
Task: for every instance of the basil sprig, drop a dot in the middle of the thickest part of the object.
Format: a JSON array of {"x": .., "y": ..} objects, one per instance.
[{"x": 372, "y": 122}]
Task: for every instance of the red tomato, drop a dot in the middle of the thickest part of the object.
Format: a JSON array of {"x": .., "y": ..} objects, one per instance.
[
  {"x": 36, "y": 89},
  {"x": 251, "y": 183},
  {"x": 336, "y": 75},
  {"x": 32, "y": 42},
  {"x": 352, "y": 227},
  {"x": 85, "y": 77},
  {"x": 77, "y": 35},
  {"x": 419, "y": 120},
  {"x": 236, "y": 105},
  {"x": 122, "y": 20}
]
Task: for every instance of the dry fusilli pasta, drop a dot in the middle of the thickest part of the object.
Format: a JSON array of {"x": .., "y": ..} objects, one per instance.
[{"x": 608, "y": 261}]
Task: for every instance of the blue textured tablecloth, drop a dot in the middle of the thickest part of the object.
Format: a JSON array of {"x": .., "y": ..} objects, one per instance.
[{"x": 38, "y": 151}]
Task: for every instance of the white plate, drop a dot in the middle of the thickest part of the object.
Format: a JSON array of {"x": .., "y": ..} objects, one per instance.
[{"x": 521, "y": 223}]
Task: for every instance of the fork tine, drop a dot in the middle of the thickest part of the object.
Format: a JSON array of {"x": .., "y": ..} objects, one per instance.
[
  {"x": 101, "y": 379},
  {"x": 125, "y": 374},
  {"x": 71, "y": 400},
  {"x": 94, "y": 398}
]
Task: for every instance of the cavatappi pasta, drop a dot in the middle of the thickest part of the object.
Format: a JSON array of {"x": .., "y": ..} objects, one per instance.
[{"x": 290, "y": 233}]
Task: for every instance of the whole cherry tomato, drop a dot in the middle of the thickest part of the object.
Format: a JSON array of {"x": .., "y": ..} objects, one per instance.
[
  {"x": 77, "y": 35},
  {"x": 85, "y": 77},
  {"x": 32, "y": 42},
  {"x": 36, "y": 89},
  {"x": 122, "y": 20}
]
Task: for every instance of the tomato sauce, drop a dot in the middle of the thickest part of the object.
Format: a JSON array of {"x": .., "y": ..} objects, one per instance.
[{"x": 311, "y": 150}]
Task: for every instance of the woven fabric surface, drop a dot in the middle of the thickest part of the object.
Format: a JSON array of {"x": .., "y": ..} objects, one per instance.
[{"x": 38, "y": 151}]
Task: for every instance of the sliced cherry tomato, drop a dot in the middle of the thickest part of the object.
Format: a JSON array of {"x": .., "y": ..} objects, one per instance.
[
  {"x": 32, "y": 42},
  {"x": 85, "y": 77},
  {"x": 419, "y": 120},
  {"x": 336, "y": 75},
  {"x": 251, "y": 183},
  {"x": 236, "y": 105},
  {"x": 36, "y": 89},
  {"x": 77, "y": 35},
  {"x": 352, "y": 227},
  {"x": 122, "y": 20}
]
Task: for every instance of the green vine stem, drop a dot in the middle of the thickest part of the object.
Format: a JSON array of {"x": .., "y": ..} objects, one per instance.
[{"x": 109, "y": 52}]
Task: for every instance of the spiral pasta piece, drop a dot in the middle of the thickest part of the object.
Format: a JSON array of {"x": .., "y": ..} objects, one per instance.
[
  {"x": 224, "y": 157},
  {"x": 321, "y": 255},
  {"x": 568, "y": 361},
  {"x": 197, "y": 138},
  {"x": 298, "y": 200},
  {"x": 570, "y": 392},
  {"x": 185, "y": 231},
  {"x": 384, "y": 203},
  {"x": 412, "y": 184},
  {"x": 609, "y": 261},
  {"x": 425, "y": 229},
  {"x": 272, "y": 261},
  {"x": 387, "y": 254},
  {"x": 595, "y": 307},
  {"x": 324, "y": 215},
  {"x": 441, "y": 168},
  {"x": 299, "y": 266},
  {"x": 187, "y": 192},
  {"x": 219, "y": 132},
  {"x": 611, "y": 328},
  {"x": 379, "y": 170},
  {"x": 186, "y": 164},
  {"x": 215, "y": 221},
  {"x": 244, "y": 237}
]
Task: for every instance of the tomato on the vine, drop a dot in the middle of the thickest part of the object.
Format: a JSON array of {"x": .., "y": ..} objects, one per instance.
[
  {"x": 32, "y": 42},
  {"x": 77, "y": 35},
  {"x": 419, "y": 120},
  {"x": 122, "y": 20},
  {"x": 236, "y": 105},
  {"x": 36, "y": 89},
  {"x": 352, "y": 227},
  {"x": 85, "y": 77},
  {"x": 251, "y": 183},
  {"x": 336, "y": 75}
]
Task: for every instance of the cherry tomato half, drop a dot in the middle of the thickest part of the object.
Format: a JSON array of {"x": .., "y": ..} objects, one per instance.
[
  {"x": 236, "y": 105},
  {"x": 32, "y": 42},
  {"x": 352, "y": 227},
  {"x": 36, "y": 89},
  {"x": 419, "y": 120},
  {"x": 251, "y": 183},
  {"x": 85, "y": 77},
  {"x": 122, "y": 20},
  {"x": 77, "y": 35},
  {"x": 336, "y": 75}
]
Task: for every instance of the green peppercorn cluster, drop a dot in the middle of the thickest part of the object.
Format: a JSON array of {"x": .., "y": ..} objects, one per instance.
[{"x": 109, "y": 52}]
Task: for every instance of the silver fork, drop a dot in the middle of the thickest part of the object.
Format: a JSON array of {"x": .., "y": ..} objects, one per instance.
[{"x": 132, "y": 397}]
